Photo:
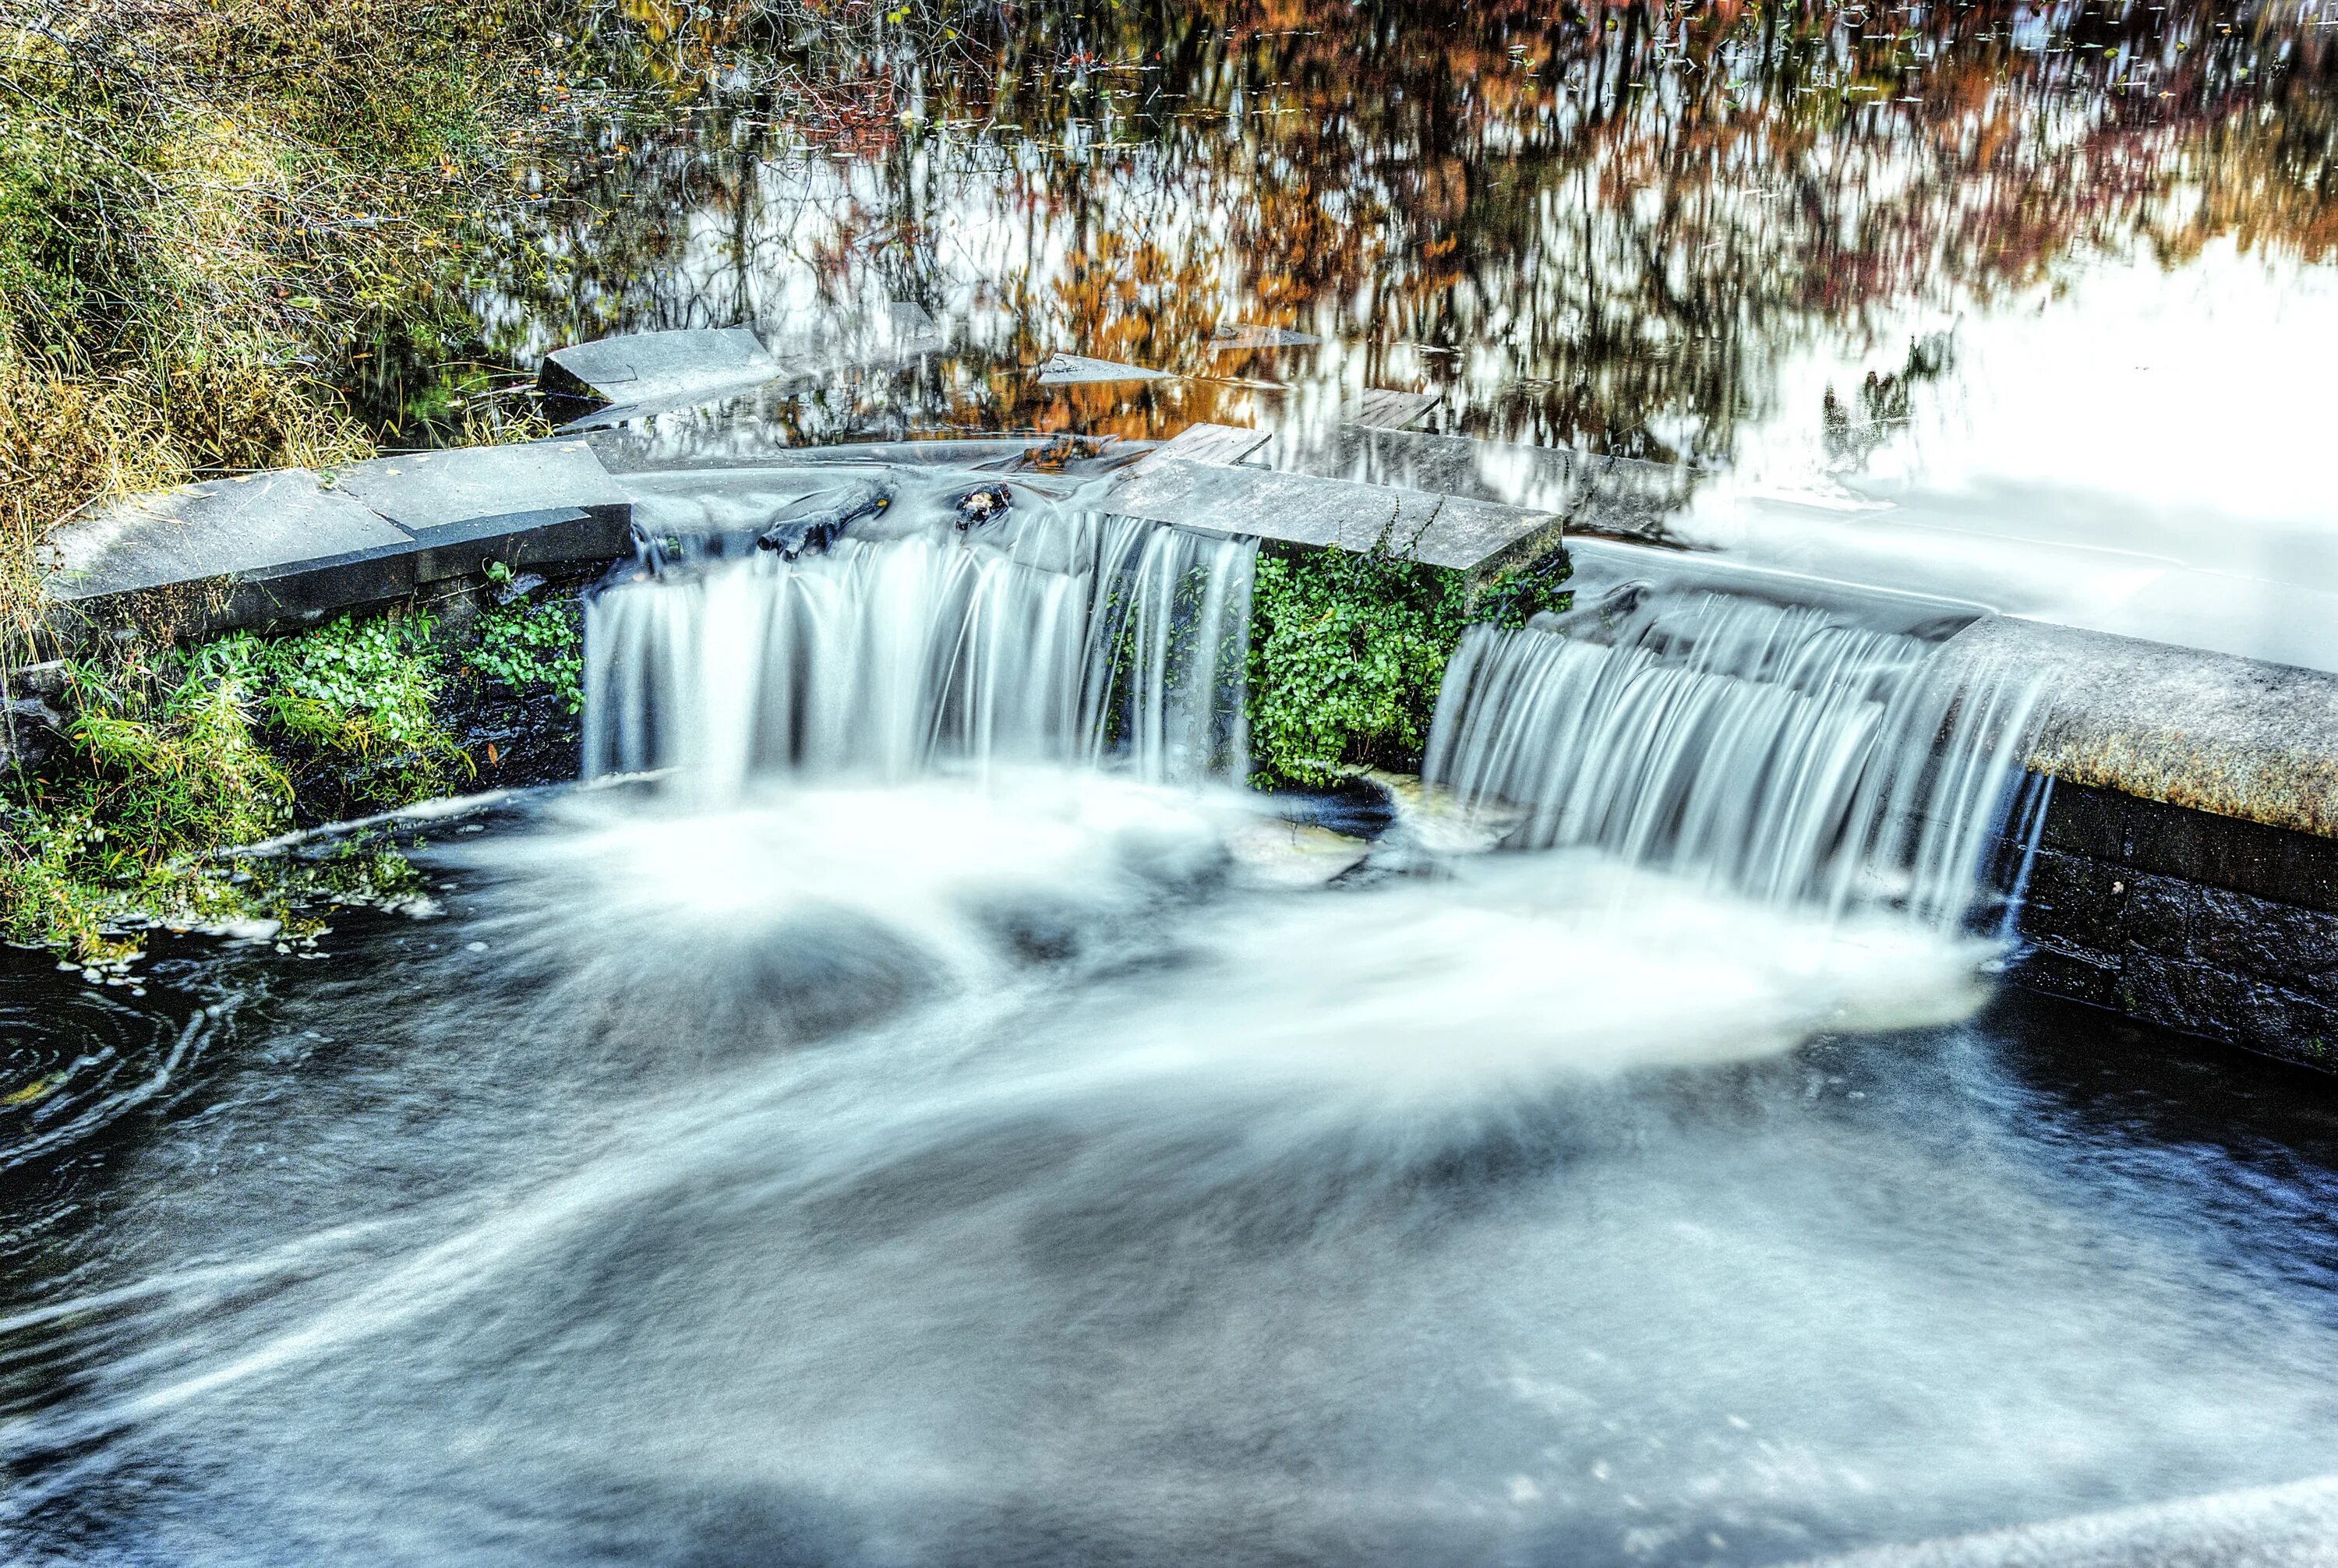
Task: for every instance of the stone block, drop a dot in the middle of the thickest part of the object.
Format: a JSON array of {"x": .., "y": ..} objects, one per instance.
[
  {"x": 425, "y": 491},
  {"x": 2286, "y": 946},
  {"x": 2089, "y": 977},
  {"x": 1228, "y": 445},
  {"x": 1300, "y": 509},
  {"x": 2075, "y": 901},
  {"x": 549, "y": 537},
  {"x": 641, "y": 369},
  {"x": 2214, "y": 734},
  {"x": 2086, "y": 821},
  {"x": 1076, "y": 371},
  {"x": 268, "y": 525},
  {"x": 1240, "y": 335},
  {"x": 1392, "y": 410},
  {"x": 2221, "y": 852}
]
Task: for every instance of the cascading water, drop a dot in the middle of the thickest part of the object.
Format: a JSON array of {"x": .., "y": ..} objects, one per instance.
[
  {"x": 859, "y": 1167},
  {"x": 1777, "y": 750},
  {"x": 1050, "y": 635}
]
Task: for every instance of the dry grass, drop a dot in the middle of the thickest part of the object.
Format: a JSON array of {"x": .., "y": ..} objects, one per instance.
[{"x": 199, "y": 199}]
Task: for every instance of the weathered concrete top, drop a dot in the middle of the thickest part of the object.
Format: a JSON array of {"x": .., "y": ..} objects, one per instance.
[
  {"x": 1230, "y": 445},
  {"x": 1301, "y": 509},
  {"x": 294, "y": 545},
  {"x": 1596, "y": 492},
  {"x": 1079, "y": 370},
  {"x": 641, "y": 368},
  {"x": 2233, "y": 737},
  {"x": 257, "y": 523},
  {"x": 1603, "y": 566},
  {"x": 1235, "y": 334},
  {"x": 1388, "y": 409},
  {"x": 426, "y": 490}
]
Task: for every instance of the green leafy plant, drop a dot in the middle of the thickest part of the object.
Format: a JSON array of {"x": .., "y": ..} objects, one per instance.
[
  {"x": 528, "y": 644},
  {"x": 165, "y": 769},
  {"x": 170, "y": 764},
  {"x": 1347, "y": 650},
  {"x": 363, "y": 690}
]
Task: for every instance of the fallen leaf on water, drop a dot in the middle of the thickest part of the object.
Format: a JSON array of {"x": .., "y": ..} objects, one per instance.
[{"x": 36, "y": 1089}]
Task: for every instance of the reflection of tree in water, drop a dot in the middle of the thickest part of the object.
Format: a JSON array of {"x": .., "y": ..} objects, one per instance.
[
  {"x": 1884, "y": 403},
  {"x": 1593, "y": 226}
]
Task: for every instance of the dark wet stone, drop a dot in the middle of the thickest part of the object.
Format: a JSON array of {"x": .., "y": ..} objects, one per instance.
[
  {"x": 821, "y": 521},
  {"x": 2084, "y": 821},
  {"x": 31, "y": 731},
  {"x": 2078, "y": 901},
  {"x": 2295, "y": 948},
  {"x": 982, "y": 505},
  {"x": 2050, "y": 968}
]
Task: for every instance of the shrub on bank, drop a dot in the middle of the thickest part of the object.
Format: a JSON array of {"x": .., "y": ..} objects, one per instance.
[
  {"x": 169, "y": 760},
  {"x": 1347, "y": 649}
]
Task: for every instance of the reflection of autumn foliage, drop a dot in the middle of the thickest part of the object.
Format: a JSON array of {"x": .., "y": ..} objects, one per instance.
[
  {"x": 1609, "y": 220},
  {"x": 1641, "y": 203},
  {"x": 1130, "y": 300}
]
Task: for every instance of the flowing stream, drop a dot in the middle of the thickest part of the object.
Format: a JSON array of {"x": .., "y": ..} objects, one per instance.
[{"x": 915, "y": 1109}]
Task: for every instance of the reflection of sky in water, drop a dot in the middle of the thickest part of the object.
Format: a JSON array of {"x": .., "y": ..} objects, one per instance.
[{"x": 1633, "y": 234}]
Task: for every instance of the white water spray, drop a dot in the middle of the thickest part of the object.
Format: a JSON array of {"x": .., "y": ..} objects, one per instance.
[
  {"x": 1774, "y": 751},
  {"x": 1053, "y": 636}
]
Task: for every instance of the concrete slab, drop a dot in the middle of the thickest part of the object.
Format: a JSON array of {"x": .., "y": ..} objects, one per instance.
[
  {"x": 293, "y": 545},
  {"x": 422, "y": 491},
  {"x": 1223, "y": 444},
  {"x": 1616, "y": 496},
  {"x": 1301, "y": 509},
  {"x": 1076, "y": 371},
  {"x": 1241, "y": 334},
  {"x": 641, "y": 368},
  {"x": 2207, "y": 731},
  {"x": 254, "y": 526},
  {"x": 1392, "y": 410},
  {"x": 547, "y": 536}
]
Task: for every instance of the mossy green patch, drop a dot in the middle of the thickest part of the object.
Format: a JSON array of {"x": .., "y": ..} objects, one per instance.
[
  {"x": 171, "y": 761},
  {"x": 1347, "y": 649}
]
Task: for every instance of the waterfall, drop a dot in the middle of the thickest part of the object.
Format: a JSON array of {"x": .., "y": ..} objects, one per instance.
[
  {"x": 1785, "y": 752},
  {"x": 1050, "y": 635}
]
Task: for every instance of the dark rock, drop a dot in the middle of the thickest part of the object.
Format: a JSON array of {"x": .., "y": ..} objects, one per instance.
[
  {"x": 982, "y": 505},
  {"x": 2075, "y": 901},
  {"x": 2088, "y": 977},
  {"x": 816, "y": 531},
  {"x": 2292, "y": 947},
  {"x": 31, "y": 731},
  {"x": 2084, "y": 821}
]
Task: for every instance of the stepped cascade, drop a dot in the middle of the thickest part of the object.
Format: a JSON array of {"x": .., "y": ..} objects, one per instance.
[
  {"x": 1781, "y": 751},
  {"x": 1050, "y": 635}
]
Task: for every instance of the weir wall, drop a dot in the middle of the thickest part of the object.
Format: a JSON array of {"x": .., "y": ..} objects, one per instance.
[{"x": 2187, "y": 870}]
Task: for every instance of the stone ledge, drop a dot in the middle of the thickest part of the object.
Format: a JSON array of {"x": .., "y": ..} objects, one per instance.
[
  {"x": 1439, "y": 530},
  {"x": 2209, "y": 732},
  {"x": 293, "y": 545}
]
